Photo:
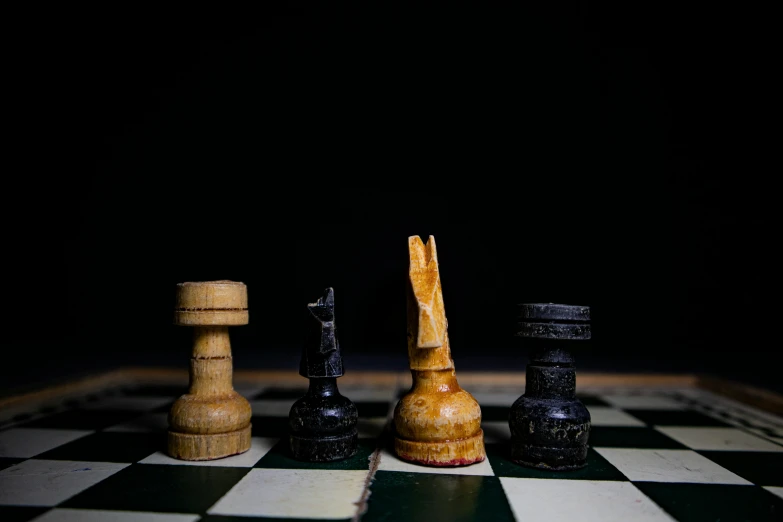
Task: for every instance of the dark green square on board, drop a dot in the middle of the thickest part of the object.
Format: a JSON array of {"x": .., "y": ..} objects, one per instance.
[
  {"x": 591, "y": 400},
  {"x": 269, "y": 426},
  {"x": 109, "y": 447},
  {"x": 495, "y": 432},
  {"x": 630, "y": 437},
  {"x": 495, "y": 413},
  {"x": 714, "y": 502},
  {"x": 84, "y": 419},
  {"x": 163, "y": 408},
  {"x": 230, "y": 518},
  {"x": 156, "y": 390},
  {"x": 6, "y": 462},
  {"x": 280, "y": 457},
  {"x": 20, "y": 513},
  {"x": 675, "y": 418},
  {"x": 280, "y": 393},
  {"x": 429, "y": 497},
  {"x": 598, "y": 468},
  {"x": 159, "y": 488},
  {"x": 373, "y": 408},
  {"x": 763, "y": 468}
]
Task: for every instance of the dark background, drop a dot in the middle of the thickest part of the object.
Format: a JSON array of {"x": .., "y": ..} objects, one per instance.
[{"x": 601, "y": 155}]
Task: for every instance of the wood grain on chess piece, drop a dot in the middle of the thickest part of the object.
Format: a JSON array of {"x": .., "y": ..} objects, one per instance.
[
  {"x": 437, "y": 423},
  {"x": 212, "y": 420}
]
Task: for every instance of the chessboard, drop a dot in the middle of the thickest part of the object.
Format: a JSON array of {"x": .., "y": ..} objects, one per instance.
[{"x": 661, "y": 448}]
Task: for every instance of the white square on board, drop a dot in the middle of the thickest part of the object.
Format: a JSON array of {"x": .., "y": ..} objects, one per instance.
[
  {"x": 272, "y": 407},
  {"x": 496, "y": 398},
  {"x": 149, "y": 423},
  {"x": 128, "y": 403},
  {"x": 607, "y": 416},
  {"x": 583, "y": 500},
  {"x": 773, "y": 435},
  {"x": 775, "y": 490},
  {"x": 659, "y": 465},
  {"x": 100, "y": 515},
  {"x": 642, "y": 402},
  {"x": 374, "y": 394},
  {"x": 717, "y": 439},
  {"x": 391, "y": 462},
  {"x": 23, "y": 443},
  {"x": 49, "y": 482},
  {"x": 259, "y": 446},
  {"x": 294, "y": 493}
]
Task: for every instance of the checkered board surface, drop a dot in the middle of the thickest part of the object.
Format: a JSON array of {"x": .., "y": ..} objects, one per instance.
[{"x": 655, "y": 454}]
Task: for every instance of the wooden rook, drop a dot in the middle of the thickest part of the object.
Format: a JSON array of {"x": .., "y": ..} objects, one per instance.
[
  {"x": 437, "y": 423},
  {"x": 212, "y": 420},
  {"x": 323, "y": 423},
  {"x": 549, "y": 425}
]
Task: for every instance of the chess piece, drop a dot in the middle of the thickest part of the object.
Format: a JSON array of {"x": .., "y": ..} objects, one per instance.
[
  {"x": 323, "y": 422},
  {"x": 212, "y": 420},
  {"x": 437, "y": 423},
  {"x": 549, "y": 425}
]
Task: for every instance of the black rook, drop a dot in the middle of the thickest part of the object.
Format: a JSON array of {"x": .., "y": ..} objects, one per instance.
[
  {"x": 323, "y": 422},
  {"x": 549, "y": 425}
]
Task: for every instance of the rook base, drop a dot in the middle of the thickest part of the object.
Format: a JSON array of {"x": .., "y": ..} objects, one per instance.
[
  {"x": 324, "y": 449},
  {"x": 200, "y": 446},
  {"x": 554, "y": 459},
  {"x": 448, "y": 453}
]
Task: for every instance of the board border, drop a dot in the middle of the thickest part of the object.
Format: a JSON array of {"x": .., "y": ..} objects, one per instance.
[{"x": 763, "y": 399}]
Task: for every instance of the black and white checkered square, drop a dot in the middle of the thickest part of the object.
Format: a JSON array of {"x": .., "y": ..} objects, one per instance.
[{"x": 655, "y": 454}]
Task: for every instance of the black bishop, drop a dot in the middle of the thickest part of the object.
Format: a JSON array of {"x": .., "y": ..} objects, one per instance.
[{"x": 323, "y": 422}]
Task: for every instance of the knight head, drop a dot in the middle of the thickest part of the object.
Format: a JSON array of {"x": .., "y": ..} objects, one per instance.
[{"x": 323, "y": 308}]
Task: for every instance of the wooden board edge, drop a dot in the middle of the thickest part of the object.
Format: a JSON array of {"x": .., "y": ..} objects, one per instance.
[
  {"x": 760, "y": 398},
  {"x": 84, "y": 385},
  {"x": 753, "y": 396},
  {"x": 78, "y": 386},
  {"x": 371, "y": 377}
]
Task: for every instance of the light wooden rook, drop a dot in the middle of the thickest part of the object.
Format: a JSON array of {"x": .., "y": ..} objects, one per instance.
[
  {"x": 212, "y": 420},
  {"x": 437, "y": 423}
]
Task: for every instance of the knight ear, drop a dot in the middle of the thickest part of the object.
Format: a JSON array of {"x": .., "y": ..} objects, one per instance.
[
  {"x": 417, "y": 254},
  {"x": 328, "y": 298},
  {"x": 430, "y": 251},
  {"x": 422, "y": 256}
]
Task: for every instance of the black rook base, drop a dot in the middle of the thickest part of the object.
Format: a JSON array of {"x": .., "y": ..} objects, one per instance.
[{"x": 323, "y": 424}]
